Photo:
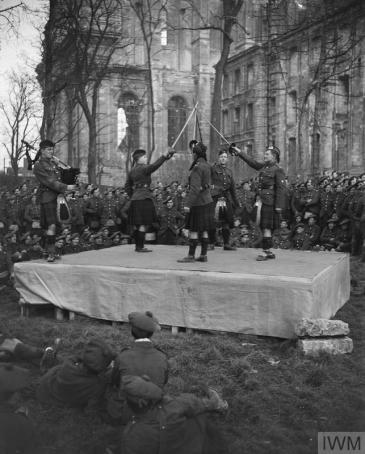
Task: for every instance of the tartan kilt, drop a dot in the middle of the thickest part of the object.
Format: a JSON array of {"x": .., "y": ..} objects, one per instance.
[
  {"x": 49, "y": 214},
  {"x": 142, "y": 212},
  {"x": 269, "y": 218},
  {"x": 200, "y": 218},
  {"x": 226, "y": 215}
]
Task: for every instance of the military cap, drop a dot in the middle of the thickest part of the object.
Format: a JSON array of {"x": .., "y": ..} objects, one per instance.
[
  {"x": 75, "y": 235},
  {"x": 312, "y": 215},
  {"x": 60, "y": 237},
  {"x": 115, "y": 234},
  {"x": 332, "y": 220},
  {"x": 144, "y": 321},
  {"x": 300, "y": 224},
  {"x": 275, "y": 150},
  {"x": 169, "y": 199},
  {"x": 200, "y": 149},
  {"x": 192, "y": 143},
  {"x": 46, "y": 144},
  {"x": 13, "y": 378},
  {"x": 138, "y": 153},
  {"x": 140, "y": 388}
]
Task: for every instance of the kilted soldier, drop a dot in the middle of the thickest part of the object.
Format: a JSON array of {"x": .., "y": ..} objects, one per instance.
[
  {"x": 223, "y": 192},
  {"x": 271, "y": 190},
  {"x": 142, "y": 212},
  {"x": 48, "y": 176},
  {"x": 199, "y": 205}
]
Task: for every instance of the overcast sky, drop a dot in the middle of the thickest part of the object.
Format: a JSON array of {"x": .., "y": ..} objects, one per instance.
[{"x": 20, "y": 49}]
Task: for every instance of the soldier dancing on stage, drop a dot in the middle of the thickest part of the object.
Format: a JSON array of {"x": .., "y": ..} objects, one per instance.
[
  {"x": 223, "y": 191},
  {"x": 198, "y": 205},
  {"x": 48, "y": 175},
  {"x": 142, "y": 211},
  {"x": 271, "y": 190}
]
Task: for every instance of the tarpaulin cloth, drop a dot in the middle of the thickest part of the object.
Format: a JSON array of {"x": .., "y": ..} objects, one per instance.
[{"x": 231, "y": 292}]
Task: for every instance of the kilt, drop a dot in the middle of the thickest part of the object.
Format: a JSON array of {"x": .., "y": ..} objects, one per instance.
[
  {"x": 225, "y": 215},
  {"x": 200, "y": 218},
  {"x": 269, "y": 219},
  {"x": 142, "y": 212},
  {"x": 49, "y": 214}
]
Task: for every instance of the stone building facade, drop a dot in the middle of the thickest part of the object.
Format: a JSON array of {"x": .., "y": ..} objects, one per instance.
[
  {"x": 298, "y": 80},
  {"x": 182, "y": 72}
]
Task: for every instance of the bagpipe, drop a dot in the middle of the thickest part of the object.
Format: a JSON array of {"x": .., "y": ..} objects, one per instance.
[{"x": 68, "y": 175}]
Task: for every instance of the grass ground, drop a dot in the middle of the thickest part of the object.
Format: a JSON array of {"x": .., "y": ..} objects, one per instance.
[{"x": 278, "y": 399}]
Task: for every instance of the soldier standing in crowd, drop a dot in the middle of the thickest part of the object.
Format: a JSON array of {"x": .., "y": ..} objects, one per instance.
[
  {"x": 223, "y": 191},
  {"x": 142, "y": 211},
  {"x": 199, "y": 204},
  {"x": 246, "y": 199},
  {"x": 32, "y": 215},
  {"x": 271, "y": 190},
  {"x": 48, "y": 176},
  {"x": 92, "y": 209}
]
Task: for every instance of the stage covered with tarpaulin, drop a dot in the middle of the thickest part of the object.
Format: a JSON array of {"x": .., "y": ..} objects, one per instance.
[{"x": 232, "y": 292}]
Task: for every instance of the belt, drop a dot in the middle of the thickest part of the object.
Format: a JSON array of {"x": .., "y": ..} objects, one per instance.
[
  {"x": 263, "y": 188},
  {"x": 139, "y": 186}
]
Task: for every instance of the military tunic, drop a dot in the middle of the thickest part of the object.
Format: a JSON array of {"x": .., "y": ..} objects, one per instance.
[
  {"x": 223, "y": 187},
  {"x": 271, "y": 189}
]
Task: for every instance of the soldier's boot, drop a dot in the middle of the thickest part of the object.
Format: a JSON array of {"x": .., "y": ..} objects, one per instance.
[
  {"x": 267, "y": 254},
  {"x": 212, "y": 239},
  {"x": 191, "y": 254},
  {"x": 50, "y": 246},
  {"x": 204, "y": 249},
  {"x": 140, "y": 238}
]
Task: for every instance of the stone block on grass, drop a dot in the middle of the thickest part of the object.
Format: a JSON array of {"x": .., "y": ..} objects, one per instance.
[
  {"x": 333, "y": 346},
  {"x": 321, "y": 327}
]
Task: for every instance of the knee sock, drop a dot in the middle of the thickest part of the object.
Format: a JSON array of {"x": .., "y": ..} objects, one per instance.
[
  {"x": 212, "y": 236},
  {"x": 192, "y": 247},
  {"x": 226, "y": 235},
  {"x": 266, "y": 243},
  {"x": 50, "y": 241},
  {"x": 204, "y": 246},
  {"x": 139, "y": 236}
]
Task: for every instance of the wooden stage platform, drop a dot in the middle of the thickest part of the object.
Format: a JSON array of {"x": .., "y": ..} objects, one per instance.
[{"x": 232, "y": 292}]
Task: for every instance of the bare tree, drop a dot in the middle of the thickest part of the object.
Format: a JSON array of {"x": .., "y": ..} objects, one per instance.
[
  {"x": 151, "y": 15},
  {"x": 223, "y": 21},
  {"x": 21, "y": 116},
  {"x": 329, "y": 40},
  {"x": 81, "y": 39}
]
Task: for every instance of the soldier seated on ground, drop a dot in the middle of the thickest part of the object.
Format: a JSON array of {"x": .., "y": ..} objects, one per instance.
[
  {"x": 80, "y": 381},
  {"x": 343, "y": 236},
  {"x": 328, "y": 239},
  {"x": 300, "y": 240},
  {"x": 282, "y": 236},
  {"x": 141, "y": 358},
  {"x": 178, "y": 424}
]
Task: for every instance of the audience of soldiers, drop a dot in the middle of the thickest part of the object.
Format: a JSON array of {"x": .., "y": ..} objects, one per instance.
[{"x": 326, "y": 214}]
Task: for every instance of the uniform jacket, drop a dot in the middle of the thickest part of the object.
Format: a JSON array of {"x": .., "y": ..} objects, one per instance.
[
  {"x": 326, "y": 204},
  {"x": 271, "y": 185},
  {"x": 311, "y": 201},
  {"x": 170, "y": 219},
  {"x": 223, "y": 184},
  {"x": 172, "y": 426},
  {"x": 139, "y": 180},
  {"x": 313, "y": 232},
  {"x": 143, "y": 358},
  {"x": 48, "y": 176},
  {"x": 199, "y": 182}
]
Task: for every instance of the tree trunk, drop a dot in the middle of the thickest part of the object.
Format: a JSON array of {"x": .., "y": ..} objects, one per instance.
[{"x": 91, "y": 163}]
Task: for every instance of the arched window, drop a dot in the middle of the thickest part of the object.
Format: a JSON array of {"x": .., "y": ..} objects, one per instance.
[
  {"x": 176, "y": 119},
  {"x": 128, "y": 122}
]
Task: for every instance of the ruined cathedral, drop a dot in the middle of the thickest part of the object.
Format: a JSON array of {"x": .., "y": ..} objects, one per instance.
[{"x": 126, "y": 74}]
